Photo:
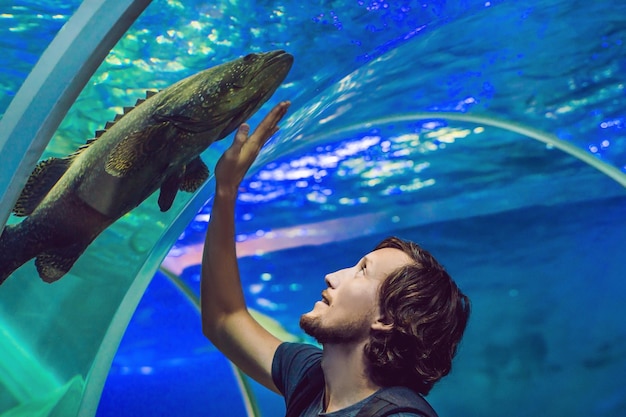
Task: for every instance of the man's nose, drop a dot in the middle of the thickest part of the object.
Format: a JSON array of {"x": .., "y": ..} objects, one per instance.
[
  {"x": 332, "y": 279},
  {"x": 328, "y": 279}
]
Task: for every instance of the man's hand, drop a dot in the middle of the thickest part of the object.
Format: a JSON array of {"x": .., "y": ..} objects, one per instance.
[{"x": 234, "y": 164}]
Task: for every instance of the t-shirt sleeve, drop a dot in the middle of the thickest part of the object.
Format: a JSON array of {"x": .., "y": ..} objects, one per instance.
[{"x": 291, "y": 362}]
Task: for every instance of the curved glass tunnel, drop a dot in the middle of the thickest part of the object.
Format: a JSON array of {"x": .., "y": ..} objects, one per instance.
[{"x": 492, "y": 133}]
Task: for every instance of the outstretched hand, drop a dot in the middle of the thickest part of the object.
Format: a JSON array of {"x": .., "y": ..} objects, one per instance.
[{"x": 238, "y": 158}]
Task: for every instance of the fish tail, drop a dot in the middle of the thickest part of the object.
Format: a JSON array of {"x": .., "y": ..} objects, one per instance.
[{"x": 14, "y": 251}]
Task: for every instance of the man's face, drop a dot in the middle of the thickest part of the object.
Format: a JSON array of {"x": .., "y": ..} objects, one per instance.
[{"x": 349, "y": 305}]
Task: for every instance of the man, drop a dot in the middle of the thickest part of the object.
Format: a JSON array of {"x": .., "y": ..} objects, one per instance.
[{"x": 389, "y": 326}]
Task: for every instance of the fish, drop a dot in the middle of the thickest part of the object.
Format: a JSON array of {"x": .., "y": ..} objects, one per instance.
[{"x": 155, "y": 145}]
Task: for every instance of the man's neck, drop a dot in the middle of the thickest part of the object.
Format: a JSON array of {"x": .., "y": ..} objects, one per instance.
[{"x": 345, "y": 373}]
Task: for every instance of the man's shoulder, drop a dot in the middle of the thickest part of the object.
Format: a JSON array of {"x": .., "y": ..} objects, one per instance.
[
  {"x": 294, "y": 362},
  {"x": 299, "y": 354},
  {"x": 292, "y": 348}
]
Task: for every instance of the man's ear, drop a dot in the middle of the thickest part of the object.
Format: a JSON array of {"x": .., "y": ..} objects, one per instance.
[{"x": 379, "y": 325}]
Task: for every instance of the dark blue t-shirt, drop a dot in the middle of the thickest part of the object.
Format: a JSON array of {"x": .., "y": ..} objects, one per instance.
[{"x": 292, "y": 361}]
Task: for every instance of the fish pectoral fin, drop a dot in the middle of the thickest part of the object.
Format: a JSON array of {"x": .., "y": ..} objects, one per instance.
[
  {"x": 41, "y": 180},
  {"x": 135, "y": 149},
  {"x": 55, "y": 263},
  {"x": 188, "y": 179},
  {"x": 196, "y": 173},
  {"x": 169, "y": 188}
]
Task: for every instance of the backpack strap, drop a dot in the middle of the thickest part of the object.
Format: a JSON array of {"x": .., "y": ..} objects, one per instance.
[
  {"x": 306, "y": 391},
  {"x": 395, "y": 400}
]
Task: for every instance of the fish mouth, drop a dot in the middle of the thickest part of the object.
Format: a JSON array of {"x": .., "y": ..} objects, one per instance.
[
  {"x": 279, "y": 55},
  {"x": 271, "y": 72},
  {"x": 278, "y": 58},
  {"x": 273, "y": 69}
]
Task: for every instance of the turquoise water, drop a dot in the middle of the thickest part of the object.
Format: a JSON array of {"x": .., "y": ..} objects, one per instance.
[{"x": 424, "y": 120}]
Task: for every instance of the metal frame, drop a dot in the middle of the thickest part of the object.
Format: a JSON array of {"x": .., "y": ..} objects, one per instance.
[{"x": 52, "y": 87}]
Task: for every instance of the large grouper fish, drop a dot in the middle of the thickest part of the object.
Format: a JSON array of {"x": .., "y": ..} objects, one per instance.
[{"x": 155, "y": 144}]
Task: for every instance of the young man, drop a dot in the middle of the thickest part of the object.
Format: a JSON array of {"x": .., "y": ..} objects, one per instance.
[{"x": 389, "y": 326}]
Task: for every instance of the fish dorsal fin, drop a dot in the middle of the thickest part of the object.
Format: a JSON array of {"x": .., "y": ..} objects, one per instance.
[
  {"x": 111, "y": 123},
  {"x": 41, "y": 180},
  {"x": 196, "y": 173},
  {"x": 118, "y": 116},
  {"x": 135, "y": 149},
  {"x": 86, "y": 145}
]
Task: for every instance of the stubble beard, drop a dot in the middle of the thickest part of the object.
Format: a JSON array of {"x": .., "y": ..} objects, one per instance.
[{"x": 344, "y": 333}]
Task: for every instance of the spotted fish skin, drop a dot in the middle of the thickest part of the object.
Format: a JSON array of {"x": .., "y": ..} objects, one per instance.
[{"x": 67, "y": 202}]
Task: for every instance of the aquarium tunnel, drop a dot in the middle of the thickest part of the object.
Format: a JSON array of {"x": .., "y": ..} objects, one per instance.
[{"x": 493, "y": 133}]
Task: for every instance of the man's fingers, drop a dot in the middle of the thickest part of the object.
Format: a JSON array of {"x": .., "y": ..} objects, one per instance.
[
  {"x": 263, "y": 132},
  {"x": 268, "y": 127},
  {"x": 241, "y": 135},
  {"x": 238, "y": 158},
  {"x": 240, "y": 139}
]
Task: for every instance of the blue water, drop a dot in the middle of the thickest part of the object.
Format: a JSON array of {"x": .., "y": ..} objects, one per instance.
[{"x": 531, "y": 233}]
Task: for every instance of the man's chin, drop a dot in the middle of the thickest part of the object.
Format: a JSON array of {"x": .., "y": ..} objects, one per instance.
[
  {"x": 313, "y": 315},
  {"x": 308, "y": 323}
]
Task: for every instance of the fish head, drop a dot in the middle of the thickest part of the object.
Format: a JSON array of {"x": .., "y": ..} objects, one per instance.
[
  {"x": 250, "y": 82},
  {"x": 221, "y": 98}
]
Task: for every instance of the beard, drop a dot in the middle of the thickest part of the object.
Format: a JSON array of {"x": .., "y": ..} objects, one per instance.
[{"x": 344, "y": 333}]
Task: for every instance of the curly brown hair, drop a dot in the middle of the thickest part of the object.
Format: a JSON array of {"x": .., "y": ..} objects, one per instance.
[{"x": 428, "y": 314}]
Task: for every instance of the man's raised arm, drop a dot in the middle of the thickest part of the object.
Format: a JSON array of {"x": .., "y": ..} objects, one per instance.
[{"x": 225, "y": 318}]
